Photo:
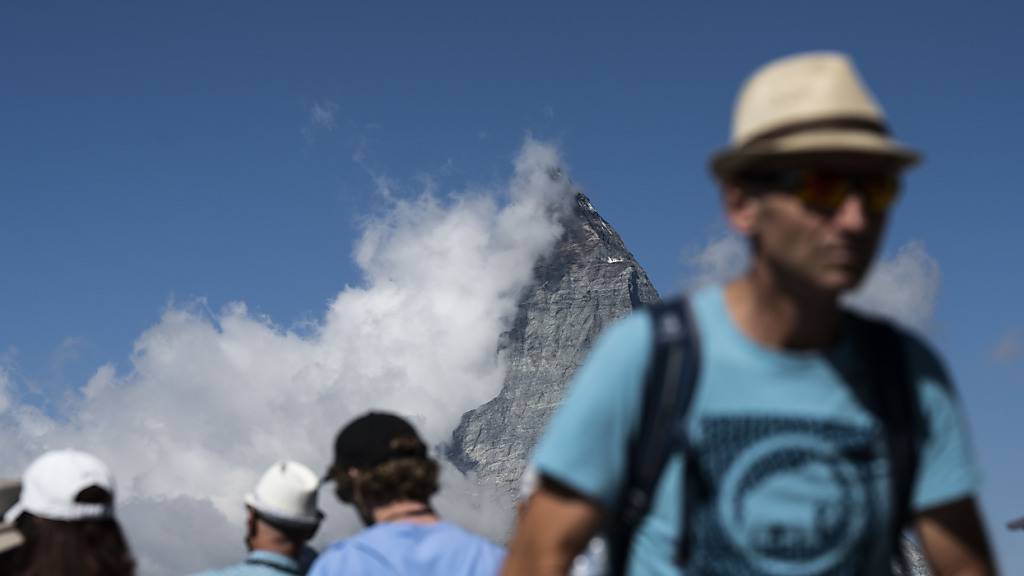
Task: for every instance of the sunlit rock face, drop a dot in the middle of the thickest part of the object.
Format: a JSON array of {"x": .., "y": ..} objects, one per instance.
[
  {"x": 588, "y": 281},
  {"x": 915, "y": 560}
]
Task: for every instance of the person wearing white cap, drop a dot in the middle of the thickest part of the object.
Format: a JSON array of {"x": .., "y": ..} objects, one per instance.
[
  {"x": 65, "y": 515},
  {"x": 282, "y": 518},
  {"x": 758, "y": 427}
]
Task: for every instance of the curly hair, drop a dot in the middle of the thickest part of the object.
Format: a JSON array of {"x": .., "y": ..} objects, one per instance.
[
  {"x": 402, "y": 479},
  {"x": 413, "y": 476}
]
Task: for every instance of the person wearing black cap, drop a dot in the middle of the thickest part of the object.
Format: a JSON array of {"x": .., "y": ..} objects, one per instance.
[{"x": 381, "y": 467}]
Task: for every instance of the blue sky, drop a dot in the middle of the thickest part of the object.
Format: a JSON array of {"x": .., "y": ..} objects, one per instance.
[{"x": 158, "y": 155}]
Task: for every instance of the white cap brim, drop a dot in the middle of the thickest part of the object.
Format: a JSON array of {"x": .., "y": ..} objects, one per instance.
[{"x": 300, "y": 520}]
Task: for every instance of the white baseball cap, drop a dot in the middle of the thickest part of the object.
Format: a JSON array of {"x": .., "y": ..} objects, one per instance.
[
  {"x": 286, "y": 493},
  {"x": 53, "y": 481}
]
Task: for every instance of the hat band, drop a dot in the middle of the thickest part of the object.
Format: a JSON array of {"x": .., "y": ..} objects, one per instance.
[{"x": 857, "y": 124}]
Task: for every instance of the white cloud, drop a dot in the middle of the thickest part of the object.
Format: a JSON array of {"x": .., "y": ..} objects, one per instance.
[
  {"x": 70, "y": 349},
  {"x": 210, "y": 400},
  {"x": 100, "y": 382},
  {"x": 1010, "y": 347},
  {"x": 719, "y": 260},
  {"x": 904, "y": 287},
  {"x": 481, "y": 507},
  {"x": 5, "y": 390},
  {"x": 179, "y": 535},
  {"x": 321, "y": 115}
]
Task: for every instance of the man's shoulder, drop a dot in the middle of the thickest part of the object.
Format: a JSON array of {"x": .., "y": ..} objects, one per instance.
[
  {"x": 258, "y": 563},
  {"x": 459, "y": 549},
  {"x": 633, "y": 334},
  {"x": 631, "y": 325},
  {"x": 239, "y": 569},
  {"x": 354, "y": 543},
  {"x": 355, "y": 552},
  {"x": 387, "y": 533},
  {"x": 625, "y": 341},
  {"x": 924, "y": 364},
  {"x": 231, "y": 570},
  {"x": 372, "y": 548},
  {"x": 459, "y": 534}
]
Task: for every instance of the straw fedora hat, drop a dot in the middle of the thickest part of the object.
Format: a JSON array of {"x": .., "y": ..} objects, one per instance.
[{"x": 809, "y": 104}]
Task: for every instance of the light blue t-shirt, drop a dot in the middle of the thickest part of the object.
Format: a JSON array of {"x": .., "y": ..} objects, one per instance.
[
  {"x": 797, "y": 465},
  {"x": 263, "y": 563},
  {"x": 406, "y": 549}
]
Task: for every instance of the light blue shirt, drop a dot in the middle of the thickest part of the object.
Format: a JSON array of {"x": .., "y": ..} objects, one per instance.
[
  {"x": 407, "y": 549},
  {"x": 797, "y": 465},
  {"x": 263, "y": 563}
]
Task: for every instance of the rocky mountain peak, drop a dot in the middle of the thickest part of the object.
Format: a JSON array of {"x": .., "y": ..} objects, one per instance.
[{"x": 589, "y": 280}]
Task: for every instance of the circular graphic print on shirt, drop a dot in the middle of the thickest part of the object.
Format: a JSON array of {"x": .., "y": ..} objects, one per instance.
[{"x": 792, "y": 504}]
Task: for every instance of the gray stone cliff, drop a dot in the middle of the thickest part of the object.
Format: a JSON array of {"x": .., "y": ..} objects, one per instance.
[
  {"x": 589, "y": 280},
  {"x": 917, "y": 565}
]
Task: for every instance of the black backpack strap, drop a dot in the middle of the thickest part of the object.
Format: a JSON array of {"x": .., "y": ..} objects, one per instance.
[
  {"x": 694, "y": 492},
  {"x": 668, "y": 390},
  {"x": 896, "y": 404}
]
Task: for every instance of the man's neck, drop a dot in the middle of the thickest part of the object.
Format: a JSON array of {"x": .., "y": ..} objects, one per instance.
[
  {"x": 267, "y": 538},
  {"x": 410, "y": 511},
  {"x": 283, "y": 548},
  {"x": 780, "y": 314}
]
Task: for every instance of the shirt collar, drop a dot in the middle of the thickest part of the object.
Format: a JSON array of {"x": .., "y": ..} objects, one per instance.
[{"x": 274, "y": 559}]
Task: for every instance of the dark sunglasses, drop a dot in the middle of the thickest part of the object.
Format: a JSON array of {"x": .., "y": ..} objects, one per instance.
[{"x": 824, "y": 191}]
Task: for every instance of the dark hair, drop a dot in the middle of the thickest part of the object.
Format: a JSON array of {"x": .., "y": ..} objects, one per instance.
[
  {"x": 80, "y": 548},
  {"x": 394, "y": 480},
  {"x": 296, "y": 534}
]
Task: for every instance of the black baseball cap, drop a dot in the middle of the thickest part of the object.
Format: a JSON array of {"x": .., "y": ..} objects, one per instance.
[{"x": 375, "y": 438}]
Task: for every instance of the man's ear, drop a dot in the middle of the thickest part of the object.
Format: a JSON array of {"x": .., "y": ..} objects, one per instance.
[
  {"x": 250, "y": 528},
  {"x": 740, "y": 208}
]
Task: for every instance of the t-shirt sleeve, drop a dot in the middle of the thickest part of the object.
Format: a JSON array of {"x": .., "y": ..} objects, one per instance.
[
  {"x": 947, "y": 471},
  {"x": 584, "y": 446}
]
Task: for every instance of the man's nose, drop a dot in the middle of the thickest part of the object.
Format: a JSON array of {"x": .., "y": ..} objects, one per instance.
[{"x": 852, "y": 215}]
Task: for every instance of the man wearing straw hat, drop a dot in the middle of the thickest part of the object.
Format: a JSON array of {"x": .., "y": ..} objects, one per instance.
[{"x": 802, "y": 439}]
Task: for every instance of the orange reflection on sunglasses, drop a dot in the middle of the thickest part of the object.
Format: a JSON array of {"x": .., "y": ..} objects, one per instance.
[{"x": 827, "y": 192}]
